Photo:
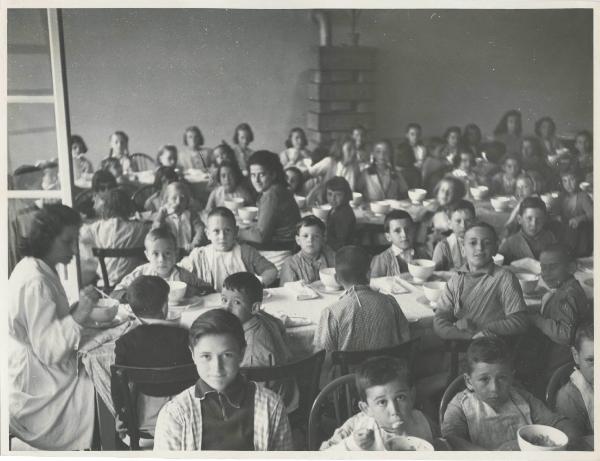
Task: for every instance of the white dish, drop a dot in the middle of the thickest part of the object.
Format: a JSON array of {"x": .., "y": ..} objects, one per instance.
[
  {"x": 407, "y": 443},
  {"x": 548, "y": 438},
  {"x": 321, "y": 211},
  {"x": 177, "y": 291},
  {"x": 417, "y": 195},
  {"x": 421, "y": 269},
  {"x": 322, "y": 288}
]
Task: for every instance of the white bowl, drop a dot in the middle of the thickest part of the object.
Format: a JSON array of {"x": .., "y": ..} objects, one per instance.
[
  {"x": 408, "y": 443},
  {"x": 498, "y": 259},
  {"x": 327, "y": 276},
  {"x": 145, "y": 177},
  {"x": 300, "y": 201},
  {"x": 500, "y": 203},
  {"x": 585, "y": 186},
  {"x": 357, "y": 199},
  {"x": 421, "y": 269},
  {"x": 235, "y": 203},
  {"x": 177, "y": 291},
  {"x": 433, "y": 290},
  {"x": 105, "y": 310},
  {"x": 380, "y": 207},
  {"x": 479, "y": 192},
  {"x": 548, "y": 438},
  {"x": 548, "y": 199},
  {"x": 528, "y": 282},
  {"x": 321, "y": 212},
  {"x": 248, "y": 213},
  {"x": 417, "y": 195}
]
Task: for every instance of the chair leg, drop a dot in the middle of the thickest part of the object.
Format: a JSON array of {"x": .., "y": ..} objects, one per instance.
[{"x": 96, "y": 439}]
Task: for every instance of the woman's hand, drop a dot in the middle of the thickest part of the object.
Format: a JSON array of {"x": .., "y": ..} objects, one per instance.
[
  {"x": 364, "y": 438},
  {"x": 88, "y": 298}
]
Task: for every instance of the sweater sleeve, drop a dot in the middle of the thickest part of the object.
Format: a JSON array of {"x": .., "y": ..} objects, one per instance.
[
  {"x": 287, "y": 273},
  {"x": 559, "y": 329},
  {"x": 570, "y": 404},
  {"x": 264, "y": 228},
  {"x": 259, "y": 265},
  {"x": 444, "y": 318},
  {"x": 378, "y": 267}
]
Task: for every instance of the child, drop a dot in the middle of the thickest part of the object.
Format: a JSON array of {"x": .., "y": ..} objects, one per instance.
[
  {"x": 464, "y": 169},
  {"x": 380, "y": 181},
  {"x": 449, "y": 253},
  {"x": 584, "y": 156},
  {"x": 575, "y": 399},
  {"x": 155, "y": 343},
  {"x": 510, "y": 132},
  {"x": 387, "y": 398},
  {"x": 295, "y": 152},
  {"x": 533, "y": 236},
  {"x": 242, "y": 137},
  {"x": 119, "y": 149},
  {"x": 179, "y": 217},
  {"x": 231, "y": 185},
  {"x": 295, "y": 180},
  {"x": 349, "y": 323},
  {"x": 404, "y": 163},
  {"x": 194, "y": 156},
  {"x": 487, "y": 166},
  {"x": 162, "y": 252},
  {"x": 313, "y": 256},
  {"x": 359, "y": 138},
  {"x": 534, "y": 165},
  {"x": 167, "y": 156},
  {"x": 545, "y": 129},
  {"x": 451, "y": 148},
  {"x": 504, "y": 182},
  {"x": 488, "y": 413},
  {"x": 113, "y": 229},
  {"x": 115, "y": 167},
  {"x": 482, "y": 298},
  {"x": 577, "y": 215},
  {"x": 341, "y": 221},
  {"x": 399, "y": 229},
  {"x": 342, "y": 161},
  {"x": 82, "y": 167},
  {"x": 471, "y": 140},
  {"x": 50, "y": 179},
  {"x": 224, "y": 256},
  {"x": 163, "y": 176},
  {"x": 524, "y": 187},
  {"x": 222, "y": 411}
]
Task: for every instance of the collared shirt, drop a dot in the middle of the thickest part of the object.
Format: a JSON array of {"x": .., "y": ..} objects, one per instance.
[
  {"x": 520, "y": 245},
  {"x": 302, "y": 267}
]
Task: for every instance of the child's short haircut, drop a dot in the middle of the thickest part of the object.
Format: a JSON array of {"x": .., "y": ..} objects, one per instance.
[
  {"x": 303, "y": 138},
  {"x": 462, "y": 205},
  {"x": 147, "y": 295},
  {"x": 76, "y": 139},
  {"x": 245, "y": 283},
  {"x": 217, "y": 322},
  {"x": 378, "y": 371},
  {"x": 487, "y": 350},
  {"x": 182, "y": 187},
  {"x": 243, "y": 127},
  {"x": 585, "y": 330},
  {"x": 160, "y": 233},
  {"x": 193, "y": 129},
  {"x": 352, "y": 264},
  {"x": 310, "y": 221},
  {"x": 115, "y": 203},
  {"x": 339, "y": 184},
  {"x": 532, "y": 202},
  {"x": 102, "y": 180},
  {"x": 223, "y": 212},
  {"x": 561, "y": 250},
  {"x": 166, "y": 148},
  {"x": 478, "y": 223},
  {"x": 235, "y": 170},
  {"x": 457, "y": 185},
  {"x": 461, "y": 152},
  {"x": 393, "y": 215}
]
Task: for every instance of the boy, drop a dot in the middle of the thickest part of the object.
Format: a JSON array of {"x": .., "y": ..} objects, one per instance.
[
  {"x": 533, "y": 237},
  {"x": 482, "y": 298},
  {"x": 161, "y": 252},
  {"x": 575, "y": 399},
  {"x": 503, "y": 183},
  {"x": 488, "y": 413},
  {"x": 387, "y": 398},
  {"x": 222, "y": 411},
  {"x": 449, "y": 253},
  {"x": 400, "y": 231},
  {"x": 349, "y": 324},
  {"x": 224, "y": 256},
  {"x": 154, "y": 343},
  {"x": 313, "y": 256}
]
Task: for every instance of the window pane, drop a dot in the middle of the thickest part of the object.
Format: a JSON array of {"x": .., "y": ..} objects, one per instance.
[
  {"x": 28, "y": 27},
  {"x": 29, "y": 74}
]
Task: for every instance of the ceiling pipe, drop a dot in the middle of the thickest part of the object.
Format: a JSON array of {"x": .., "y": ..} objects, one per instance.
[{"x": 322, "y": 18}]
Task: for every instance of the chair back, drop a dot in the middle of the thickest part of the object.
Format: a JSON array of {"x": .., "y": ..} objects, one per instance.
[
  {"x": 457, "y": 385},
  {"x": 140, "y": 196},
  {"x": 346, "y": 359},
  {"x": 558, "y": 379},
  {"x": 102, "y": 253},
  {"x": 342, "y": 392},
  {"x": 143, "y": 161},
  {"x": 127, "y": 379}
]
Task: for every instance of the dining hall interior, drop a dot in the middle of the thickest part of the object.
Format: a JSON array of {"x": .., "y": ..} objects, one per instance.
[{"x": 299, "y": 229}]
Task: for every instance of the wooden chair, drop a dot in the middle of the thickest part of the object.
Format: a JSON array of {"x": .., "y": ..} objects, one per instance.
[
  {"x": 457, "y": 385},
  {"x": 127, "y": 380},
  {"x": 102, "y": 253},
  {"x": 346, "y": 359},
  {"x": 142, "y": 161},
  {"x": 558, "y": 379},
  {"x": 140, "y": 196}
]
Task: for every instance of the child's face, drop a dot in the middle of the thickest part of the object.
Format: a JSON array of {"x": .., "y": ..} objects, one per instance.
[
  {"x": 117, "y": 144},
  {"x": 227, "y": 179},
  {"x": 389, "y": 404},
  {"x": 335, "y": 198},
  {"x": 491, "y": 382},
  {"x": 511, "y": 123},
  {"x": 75, "y": 149},
  {"x": 524, "y": 188},
  {"x": 413, "y": 135},
  {"x": 555, "y": 269},
  {"x": 527, "y": 151},
  {"x": 217, "y": 358},
  {"x": 177, "y": 201},
  {"x": 310, "y": 240},
  {"x": 569, "y": 183},
  {"x": 458, "y": 222},
  {"x": 465, "y": 162},
  {"x": 582, "y": 144},
  {"x": 511, "y": 168},
  {"x": 480, "y": 247},
  {"x": 545, "y": 129},
  {"x": 296, "y": 140},
  {"x": 261, "y": 178},
  {"x": 218, "y": 155},
  {"x": 400, "y": 234},
  {"x": 238, "y": 304},
  {"x": 221, "y": 232},
  {"x": 162, "y": 256},
  {"x": 445, "y": 193},
  {"x": 381, "y": 154},
  {"x": 293, "y": 180},
  {"x": 453, "y": 139},
  {"x": 243, "y": 138},
  {"x": 167, "y": 158},
  {"x": 358, "y": 136},
  {"x": 584, "y": 358},
  {"x": 532, "y": 221},
  {"x": 192, "y": 139}
]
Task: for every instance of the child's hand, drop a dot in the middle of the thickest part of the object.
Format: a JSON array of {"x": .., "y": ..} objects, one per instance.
[
  {"x": 364, "y": 438},
  {"x": 88, "y": 298},
  {"x": 466, "y": 324}
]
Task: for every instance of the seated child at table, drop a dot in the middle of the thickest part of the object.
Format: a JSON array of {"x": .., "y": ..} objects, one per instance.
[
  {"x": 348, "y": 324},
  {"x": 387, "y": 396},
  {"x": 575, "y": 399},
  {"x": 524, "y": 187},
  {"x": 162, "y": 252},
  {"x": 533, "y": 236},
  {"x": 464, "y": 165},
  {"x": 449, "y": 253},
  {"x": 296, "y": 151},
  {"x": 380, "y": 181},
  {"x": 242, "y": 138},
  {"x": 167, "y": 156},
  {"x": 399, "y": 230},
  {"x": 577, "y": 215},
  {"x": 488, "y": 166},
  {"x": 488, "y": 413},
  {"x": 341, "y": 221},
  {"x": 482, "y": 298},
  {"x": 583, "y": 156},
  {"x": 313, "y": 256},
  {"x": 177, "y": 214},
  {"x": 114, "y": 229},
  {"x": 115, "y": 167},
  {"x": 163, "y": 176},
  {"x": 295, "y": 180},
  {"x": 155, "y": 343},
  {"x": 232, "y": 185},
  {"x": 223, "y": 410},
  {"x": 342, "y": 161},
  {"x": 225, "y": 256},
  {"x": 504, "y": 182}
]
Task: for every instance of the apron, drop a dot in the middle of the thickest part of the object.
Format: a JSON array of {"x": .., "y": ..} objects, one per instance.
[{"x": 221, "y": 264}]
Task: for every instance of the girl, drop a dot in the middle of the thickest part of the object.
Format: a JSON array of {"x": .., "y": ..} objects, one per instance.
[
  {"x": 577, "y": 214},
  {"x": 583, "y": 155},
  {"x": 471, "y": 139},
  {"x": 340, "y": 220},
  {"x": 194, "y": 156},
  {"x": 504, "y": 182},
  {"x": 167, "y": 156},
  {"x": 342, "y": 161},
  {"x": 222, "y": 153},
  {"x": 231, "y": 185},
  {"x": 82, "y": 167},
  {"x": 163, "y": 176},
  {"x": 414, "y": 139},
  {"x": 295, "y": 151},
  {"x": 380, "y": 181},
  {"x": 295, "y": 180},
  {"x": 545, "y": 129},
  {"x": 450, "y": 150},
  {"x": 242, "y": 137},
  {"x": 182, "y": 220},
  {"x": 509, "y": 131},
  {"x": 464, "y": 169},
  {"x": 119, "y": 149},
  {"x": 359, "y": 136}
]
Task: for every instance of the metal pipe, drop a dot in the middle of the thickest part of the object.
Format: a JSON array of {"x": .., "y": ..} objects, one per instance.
[{"x": 324, "y": 21}]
